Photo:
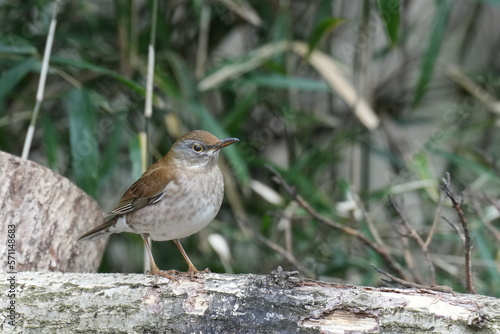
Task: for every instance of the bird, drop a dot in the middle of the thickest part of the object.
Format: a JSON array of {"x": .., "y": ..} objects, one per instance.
[{"x": 174, "y": 198}]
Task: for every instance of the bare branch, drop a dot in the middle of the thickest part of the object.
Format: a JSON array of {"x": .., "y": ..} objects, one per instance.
[
  {"x": 415, "y": 236},
  {"x": 369, "y": 221},
  {"x": 456, "y": 203},
  {"x": 383, "y": 252},
  {"x": 277, "y": 248},
  {"x": 455, "y": 227},
  {"x": 393, "y": 279},
  {"x": 493, "y": 230},
  {"x": 435, "y": 222}
]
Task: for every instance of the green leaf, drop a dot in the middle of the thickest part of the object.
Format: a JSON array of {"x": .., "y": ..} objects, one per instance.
[
  {"x": 11, "y": 49},
  {"x": 389, "y": 11},
  {"x": 57, "y": 60},
  {"x": 83, "y": 140},
  {"x": 184, "y": 76},
  {"x": 287, "y": 82},
  {"x": 324, "y": 27},
  {"x": 433, "y": 47},
  {"x": 487, "y": 250},
  {"x": 110, "y": 155},
  {"x": 50, "y": 141},
  {"x": 491, "y": 2},
  {"x": 16, "y": 73},
  {"x": 236, "y": 116},
  {"x": 423, "y": 169},
  {"x": 459, "y": 160},
  {"x": 135, "y": 155},
  {"x": 166, "y": 82}
]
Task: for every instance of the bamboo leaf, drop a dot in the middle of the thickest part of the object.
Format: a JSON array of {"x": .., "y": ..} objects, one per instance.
[
  {"x": 241, "y": 66},
  {"x": 323, "y": 28},
  {"x": 10, "y": 49},
  {"x": 389, "y": 11},
  {"x": 135, "y": 154},
  {"x": 287, "y": 82},
  {"x": 16, "y": 73},
  {"x": 443, "y": 9},
  {"x": 334, "y": 76},
  {"x": 185, "y": 79},
  {"x": 459, "y": 160},
  {"x": 110, "y": 155},
  {"x": 244, "y": 9},
  {"x": 83, "y": 140},
  {"x": 487, "y": 249},
  {"x": 57, "y": 60},
  {"x": 239, "y": 111},
  {"x": 423, "y": 169},
  {"x": 50, "y": 141},
  {"x": 491, "y": 2}
]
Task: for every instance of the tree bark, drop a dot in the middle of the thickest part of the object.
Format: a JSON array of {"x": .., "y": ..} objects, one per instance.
[
  {"x": 222, "y": 303},
  {"x": 42, "y": 214}
]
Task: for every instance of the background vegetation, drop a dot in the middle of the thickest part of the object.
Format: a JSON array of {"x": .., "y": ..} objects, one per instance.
[{"x": 354, "y": 103}]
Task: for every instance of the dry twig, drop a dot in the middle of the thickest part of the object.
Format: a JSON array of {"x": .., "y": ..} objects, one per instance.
[
  {"x": 275, "y": 247},
  {"x": 382, "y": 251},
  {"x": 435, "y": 221},
  {"x": 393, "y": 279},
  {"x": 411, "y": 233},
  {"x": 493, "y": 230},
  {"x": 456, "y": 202}
]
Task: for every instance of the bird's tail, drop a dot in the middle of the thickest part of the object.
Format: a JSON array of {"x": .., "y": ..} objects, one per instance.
[{"x": 99, "y": 231}]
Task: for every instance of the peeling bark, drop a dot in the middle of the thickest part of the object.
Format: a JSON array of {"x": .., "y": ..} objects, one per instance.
[
  {"x": 49, "y": 213},
  {"x": 221, "y": 303}
]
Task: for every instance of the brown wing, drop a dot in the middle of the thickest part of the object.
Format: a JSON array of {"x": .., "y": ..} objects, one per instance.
[{"x": 145, "y": 191}]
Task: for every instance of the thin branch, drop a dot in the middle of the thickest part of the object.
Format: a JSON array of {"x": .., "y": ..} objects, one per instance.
[
  {"x": 369, "y": 221},
  {"x": 415, "y": 236},
  {"x": 383, "y": 252},
  {"x": 393, "y": 279},
  {"x": 435, "y": 222},
  {"x": 275, "y": 247},
  {"x": 456, "y": 203},
  {"x": 408, "y": 256},
  {"x": 455, "y": 227},
  {"x": 487, "y": 222}
]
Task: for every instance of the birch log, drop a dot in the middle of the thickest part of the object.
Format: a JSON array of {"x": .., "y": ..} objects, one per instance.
[{"x": 222, "y": 303}]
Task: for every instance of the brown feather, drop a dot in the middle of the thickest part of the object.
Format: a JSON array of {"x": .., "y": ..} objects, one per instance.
[
  {"x": 98, "y": 231},
  {"x": 145, "y": 191}
]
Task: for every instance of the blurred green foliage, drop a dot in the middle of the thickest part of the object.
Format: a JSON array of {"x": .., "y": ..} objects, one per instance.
[{"x": 395, "y": 54}]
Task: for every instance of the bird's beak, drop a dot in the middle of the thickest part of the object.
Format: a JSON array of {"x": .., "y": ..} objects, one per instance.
[{"x": 223, "y": 143}]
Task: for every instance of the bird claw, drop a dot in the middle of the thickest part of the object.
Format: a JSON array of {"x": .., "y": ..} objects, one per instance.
[
  {"x": 164, "y": 273},
  {"x": 194, "y": 273}
]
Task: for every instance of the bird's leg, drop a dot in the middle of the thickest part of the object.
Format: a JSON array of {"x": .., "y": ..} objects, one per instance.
[
  {"x": 154, "y": 268},
  {"x": 192, "y": 269}
]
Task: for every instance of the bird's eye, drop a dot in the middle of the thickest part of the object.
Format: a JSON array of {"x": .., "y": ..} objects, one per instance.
[{"x": 197, "y": 148}]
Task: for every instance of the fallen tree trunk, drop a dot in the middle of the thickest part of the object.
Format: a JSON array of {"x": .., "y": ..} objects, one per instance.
[
  {"x": 220, "y": 303},
  {"x": 42, "y": 214}
]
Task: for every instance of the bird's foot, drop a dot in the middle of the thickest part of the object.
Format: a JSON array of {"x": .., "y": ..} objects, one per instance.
[
  {"x": 193, "y": 273},
  {"x": 165, "y": 273}
]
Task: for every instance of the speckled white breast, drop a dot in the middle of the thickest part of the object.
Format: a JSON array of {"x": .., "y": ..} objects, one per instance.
[{"x": 188, "y": 205}]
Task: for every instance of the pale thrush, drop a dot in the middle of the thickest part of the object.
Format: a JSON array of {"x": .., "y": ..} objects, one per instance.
[{"x": 176, "y": 197}]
